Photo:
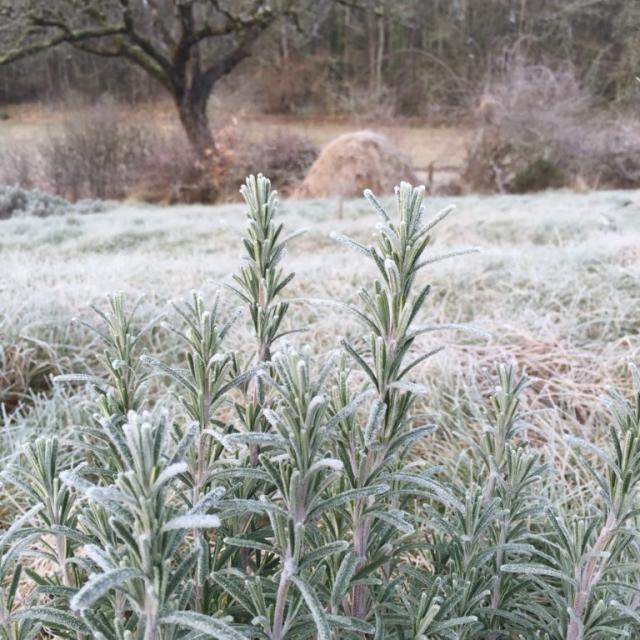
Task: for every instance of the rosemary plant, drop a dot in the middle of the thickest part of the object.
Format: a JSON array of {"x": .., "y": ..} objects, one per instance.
[
  {"x": 585, "y": 576},
  {"x": 290, "y": 495},
  {"x": 122, "y": 390},
  {"x": 377, "y": 450},
  {"x": 259, "y": 285},
  {"x": 17, "y": 618},
  {"x": 137, "y": 559},
  {"x": 203, "y": 386}
]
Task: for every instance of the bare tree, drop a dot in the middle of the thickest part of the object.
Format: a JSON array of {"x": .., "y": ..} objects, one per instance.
[{"x": 186, "y": 45}]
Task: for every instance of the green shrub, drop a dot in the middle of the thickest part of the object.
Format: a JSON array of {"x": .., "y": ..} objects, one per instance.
[
  {"x": 15, "y": 201},
  {"x": 538, "y": 175},
  {"x": 18, "y": 202},
  {"x": 281, "y": 495}
]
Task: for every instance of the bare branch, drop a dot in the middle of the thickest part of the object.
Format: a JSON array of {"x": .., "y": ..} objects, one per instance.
[
  {"x": 72, "y": 37},
  {"x": 166, "y": 40},
  {"x": 143, "y": 44}
]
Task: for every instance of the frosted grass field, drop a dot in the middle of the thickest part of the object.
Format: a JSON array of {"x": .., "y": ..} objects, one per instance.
[{"x": 555, "y": 288}]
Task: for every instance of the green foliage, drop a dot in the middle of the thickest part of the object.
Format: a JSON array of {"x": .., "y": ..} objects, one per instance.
[
  {"x": 18, "y": 202},
  {"x": 538, "y": 175},
  {"x": 282, "y": 497}
]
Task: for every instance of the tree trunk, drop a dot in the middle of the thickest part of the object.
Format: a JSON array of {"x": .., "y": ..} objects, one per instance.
[
  {"x": 371, "y": 44},
  {"x": 345, "y": 46},
  {"x": 380, "y": 51},
  {"x": 284, "y": 44},
  {"x": 192, "y": 109}
]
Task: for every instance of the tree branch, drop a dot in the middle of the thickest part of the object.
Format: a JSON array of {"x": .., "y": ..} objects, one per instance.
[
  {"x": 143, "y": 44},
  {"x": 65, "y": 36},
  {"x": 241, "y": 51}
]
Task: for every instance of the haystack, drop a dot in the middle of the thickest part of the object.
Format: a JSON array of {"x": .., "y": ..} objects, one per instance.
[{"x": 354, "y": 162}]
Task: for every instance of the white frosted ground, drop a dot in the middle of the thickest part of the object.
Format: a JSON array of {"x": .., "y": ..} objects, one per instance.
[
  {"x": 556, "y": 285},
  {"x": 530, "y": 244}
]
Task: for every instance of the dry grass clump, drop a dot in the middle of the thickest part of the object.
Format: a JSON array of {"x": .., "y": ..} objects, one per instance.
[
  {"x": 33, "y": 349},
  {"x": 351, "y": 162},
  {"x": 538, "y": 128},
  {"x": 562, "y": 375},
  {"x": 24, "y": 368}
]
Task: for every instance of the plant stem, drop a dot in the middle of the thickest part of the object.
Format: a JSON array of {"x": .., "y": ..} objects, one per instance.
[
  {"x": 586, "y": 578},
  {"x": 197, "y": 490},
  {"x": 151, "y": 614},
  {"x": 197, "y": 533},
  {"x": 281, "y": 599},
  {"x": 61, "y": 552},
  {"x": 360, "y": 545}
]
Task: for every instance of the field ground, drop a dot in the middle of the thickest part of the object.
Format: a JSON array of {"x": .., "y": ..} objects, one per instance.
[
  {"x": 556, "y": 288},
  {"x": 444, "y": 146}
]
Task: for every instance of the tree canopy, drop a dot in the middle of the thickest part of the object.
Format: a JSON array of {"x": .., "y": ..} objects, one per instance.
[{"x": 186, "y": 45}]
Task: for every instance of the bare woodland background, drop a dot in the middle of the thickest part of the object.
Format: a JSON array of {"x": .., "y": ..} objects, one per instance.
[
  {"x": 493, "y": 95},
  {"x": 426, "y": 57}
]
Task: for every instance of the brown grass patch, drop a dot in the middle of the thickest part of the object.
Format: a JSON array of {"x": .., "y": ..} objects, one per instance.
[
  {"x": 562, "y": 376},
  {"x": 24, "y": 368}
]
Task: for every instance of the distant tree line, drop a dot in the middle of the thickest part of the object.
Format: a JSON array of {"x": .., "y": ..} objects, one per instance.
[
  {"x": 438, "y": 51},
  {"x": 425, "y": 54}
]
